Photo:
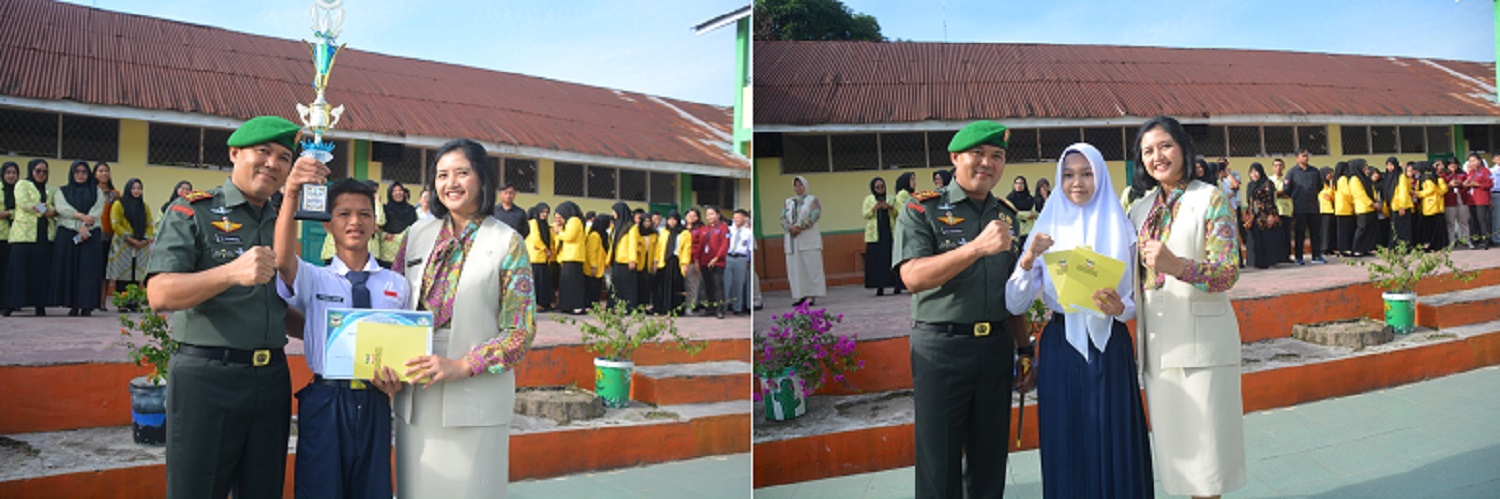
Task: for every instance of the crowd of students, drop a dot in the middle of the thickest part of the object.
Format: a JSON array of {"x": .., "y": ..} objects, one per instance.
[{"x": 70, "y": 246}]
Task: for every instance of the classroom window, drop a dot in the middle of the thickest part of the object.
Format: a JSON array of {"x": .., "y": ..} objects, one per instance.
[
  {"x": 91, "y": 139},
  {"x": 28, "y": 133},
  {"x": 716, "y": 191},
  {"x": 1383, "y": 140},
  {"x": 403, "y": 165},
  {"x": 216, "y": 147},
  {"x": 1356, "y": 139},
  {"x": 663, "y": 188},
  {"x": 1313, "y": 138},
  {"x": 937, "y": 148},
  {"x": 1413, "y": 139},
  {"x": 804, "y": 153},
  {"x": 1208, "y": 140},
  {"x": 1109, "y": 141},
  {"x": 1022, "y": 147},
  {"x": 568, "y": 179},
  {"x": 1244, "y": 141},
  {"x": 1055, "y": 140},
  {"x": 632, "y": 185},
  {"x": 1440, "y": 140},
  {"x": 1280, "y": 140},
  {"x": 903, "y": 150},
  {"x": 521, "y": 173},
  {"x": 601, "y": 184},
  {"x": 854, "y": 152},
  {"x": 174, "y": 145}
]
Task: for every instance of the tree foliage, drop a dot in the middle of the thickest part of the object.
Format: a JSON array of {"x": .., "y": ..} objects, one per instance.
[{"x": 786, "y": 20}]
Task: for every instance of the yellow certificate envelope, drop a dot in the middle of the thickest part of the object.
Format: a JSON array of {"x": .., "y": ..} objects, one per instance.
[
  {"x": 1079, "y": 272},
  {"x": 379, "y": 344}
]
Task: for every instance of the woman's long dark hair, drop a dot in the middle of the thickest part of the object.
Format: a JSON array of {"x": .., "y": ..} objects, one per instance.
[
  {"x": 489, "y": 177},
  {"x": 41, "y": 187},
  {"x": 398, "y": 214},
  {"x": 543, "y": 221},
  {"x": 174, "y": 196},
  {"x": 108, "y": 185},
  {"x": 1179, "y": 135},
  {"x": 10, "y": 189}
]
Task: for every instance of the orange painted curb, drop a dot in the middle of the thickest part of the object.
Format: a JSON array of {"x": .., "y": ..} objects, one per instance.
[
  {"x": 550, "y": 454},
  {"x": 689, "y": 389}
]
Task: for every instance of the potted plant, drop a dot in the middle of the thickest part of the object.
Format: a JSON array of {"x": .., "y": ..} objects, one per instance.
[
  {"x": 613, "y": 333},
  {"x": 1398, "y": 269},
  {"x": 799, "y": 355},
  {"x": 148, "y": 394}
]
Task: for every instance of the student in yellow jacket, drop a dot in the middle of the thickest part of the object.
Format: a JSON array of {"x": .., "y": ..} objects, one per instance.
[
  {"x": 572, "y": 253},
  {"x": 32, "y": 228},
  {"x": 1430, "y": 191},
  {"x": 624, "y": 249},
  {"x": 541, "y": 251},
  {"x": 1402, "y": 209},
  {"x": 672, "y": 252},
  {"x": 1326, "y": 222},
  {"x": 596, "y": 258},
  {"x": 1343, "y": 208},
  {"x": 645, "y": 263},
  {"x": 1362, "y": 191}
]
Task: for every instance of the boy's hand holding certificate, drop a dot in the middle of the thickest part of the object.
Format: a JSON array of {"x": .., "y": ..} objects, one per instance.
[
  {"x": 361, "y": 341},
  {"x": 1080, "y": 271}
]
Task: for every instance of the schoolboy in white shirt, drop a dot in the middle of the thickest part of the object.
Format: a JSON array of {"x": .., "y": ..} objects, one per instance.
[{"x": 344, "y": 426}]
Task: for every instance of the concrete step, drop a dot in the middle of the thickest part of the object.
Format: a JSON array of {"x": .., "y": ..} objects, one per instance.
[
  {"x": 1459, "y": 308},
  {"x": 847, "y": 434},
  {"x": 695, "y": 383},
  {"x": 104, "y": 462}
]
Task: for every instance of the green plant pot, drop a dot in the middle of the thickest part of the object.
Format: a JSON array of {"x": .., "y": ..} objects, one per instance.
[
  {"x": 612, "y": 382},
  {"x": 783, "y": 396},
  {"x": 148, "y": 412},
  {"x": 1400, "y": 311}
]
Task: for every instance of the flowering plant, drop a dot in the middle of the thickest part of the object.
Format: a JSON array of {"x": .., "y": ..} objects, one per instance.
[
  {"x": 1398, "y": 269},
  {"x": 801, "y": 343},
  {"x": 158, "y": 346},
  {"x": 618, "y": 330}
]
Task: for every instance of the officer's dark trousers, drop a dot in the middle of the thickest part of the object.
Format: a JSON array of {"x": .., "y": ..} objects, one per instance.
[
  {"x": 963, "y": 388},
  {"x": 1308, "y": 225},
  {"x": 343, "y": 443},
  {"x": 227, "y": 427}
]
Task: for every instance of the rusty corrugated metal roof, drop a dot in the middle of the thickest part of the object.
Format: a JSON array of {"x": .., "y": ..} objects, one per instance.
[
  {"x": 812, "y": 83},
  {"x": 57, "y": 51}
]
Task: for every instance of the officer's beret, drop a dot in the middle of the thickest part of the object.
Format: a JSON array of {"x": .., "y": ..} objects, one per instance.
[
  {"x": 263, "y": 129},
  {"x": 979, "y": 132}
]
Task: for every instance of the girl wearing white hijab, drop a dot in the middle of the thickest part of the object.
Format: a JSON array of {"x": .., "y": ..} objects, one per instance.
[
  {"x": 803, "y": 244},
  {"x": 1091, "y": 423}
]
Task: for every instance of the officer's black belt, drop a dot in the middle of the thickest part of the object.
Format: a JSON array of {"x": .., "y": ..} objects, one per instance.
[
  {"x": 262, "y": 357},
  {"x": 352, "y": 384},
  {"x": 961, "y": 329}
]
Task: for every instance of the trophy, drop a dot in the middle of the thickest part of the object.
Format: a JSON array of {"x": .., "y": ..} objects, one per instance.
[{"x": 320, "y": 116}]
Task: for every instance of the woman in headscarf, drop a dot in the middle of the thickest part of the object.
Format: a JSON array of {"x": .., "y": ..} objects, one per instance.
[
  {"x": 941, "y": 179},
  {"x": 78, "y": 249},
  {"x": 624, "y": 250},
  {"x": 1343, "y": 210},
  {"x": 540, "y": 250},
  {"x": 1363, "y": 191},
  {"x": 571, "y": 254},
  {"x": 182, "y": 188},
  {"x": 32, "y": 228},
  {"x": 1403, "y": 207},
  {"x": 1024, "y": 202},
  {"x": 1089, "y": 412},
  {"x": 1190, "y": 341},
  {"x": 596, "y": 258},
  {"x": 1431, "y": 189},
  {"x": 645, "y": 266},
  {"x": 906, "y": 185},
  {"x": 1326, "y": 219},
  {"x": 399, "y": 214},
  {"x": 1270, "y": 246},
  {"x": 1043, "y": 191},
  {"x": 10, "y": 174},
  {"x": 880, "y": 221},
  {"x": 673, "y": 251},
  {"x": 103, "y": 175},
  {"x": 803, "y": 243},
  {"x": 136, "y": 225}
]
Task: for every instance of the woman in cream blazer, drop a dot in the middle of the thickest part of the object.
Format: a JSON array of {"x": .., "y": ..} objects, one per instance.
[
  {"x": 471, "y": 271},
  {"x": 1189, "y": 337},
  {"x": 803, "y": 243}
]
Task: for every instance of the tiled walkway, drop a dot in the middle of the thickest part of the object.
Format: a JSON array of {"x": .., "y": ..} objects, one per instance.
[
  {"x": 708, "y": 478},
  {"x": 1437, "y": 438}
]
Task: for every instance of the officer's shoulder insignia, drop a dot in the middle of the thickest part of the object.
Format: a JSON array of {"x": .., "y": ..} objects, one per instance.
[
  {"x": 917, "y": 207},
  {"x": 197, "y": 196},
  {"x": 921, "y": 196},
  {"x": 1007, "y": 203},
  {"x": 183, "y": 210}
]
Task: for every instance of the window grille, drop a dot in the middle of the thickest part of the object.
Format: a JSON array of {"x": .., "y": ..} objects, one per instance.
[
  {"x": 1109, "y": 141},
  {"x": 28, "y": 133},
  {"x": 903, "y": 150},
  {"x": 1440, "y": 140},
  {"x": 1054, "y": 141},
  {"x": 854, "y": 152},
  {"x": 174, "y": 145},
  {"x": 1382, "y": 140},
  {"x": 937, "y": 148},
  {"x": 520, "y": 173},
  {"x": 663, "y": 188},
  {"x": 632, "y": 185},
  {"x": 1413, "y": 139},
  {"x": 1356, "y": 139},
  {"x": 216, "y": 148},
  {"x": 1244, "y": 141},
  {"x": 405, "y": 168},
  {"x": 601, "y": 183},
  {"x": 1023, "y": 146},
  {"x": 1314, "y": 139},
  {"x": 1280, "y": 140},
  {"x": 804, "y": 153},
  {"x": 568, "y": 179},
  {"x": 91, "y": 139}
]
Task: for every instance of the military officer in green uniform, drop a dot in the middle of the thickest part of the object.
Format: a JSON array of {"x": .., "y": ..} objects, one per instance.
[
  {"x": 954, "y": 250},
  {"x": 228, "y": 387}
]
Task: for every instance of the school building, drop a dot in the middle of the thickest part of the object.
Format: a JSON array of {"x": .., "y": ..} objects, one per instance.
[
  {"x": 841, "y": 113},
  {"x": 157, "y": 99}
]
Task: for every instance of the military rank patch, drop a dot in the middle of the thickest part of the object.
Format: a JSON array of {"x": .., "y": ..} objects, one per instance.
[
  {"x": 185, "y": 211},
  {"x": 917, "y": 207},
  {"x": 924, "y": 195},
  {"x": 197, "y": 196}
]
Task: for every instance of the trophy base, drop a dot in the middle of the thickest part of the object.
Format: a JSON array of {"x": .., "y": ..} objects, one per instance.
[{"x": 314, "y": 216}]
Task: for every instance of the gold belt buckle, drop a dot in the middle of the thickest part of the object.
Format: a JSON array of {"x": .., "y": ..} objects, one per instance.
[
  {"x": 981, "y": 329},
  {"x": 356, "y": 384},
  {"x": 261, "y": 358}
]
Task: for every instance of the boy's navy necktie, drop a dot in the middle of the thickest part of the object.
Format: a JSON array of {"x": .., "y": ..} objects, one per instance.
[{"x": 358, "y": 289}]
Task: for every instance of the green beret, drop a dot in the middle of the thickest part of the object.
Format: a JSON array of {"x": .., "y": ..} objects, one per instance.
[
  {"x": 263, "y": 129},
  {"x": 979, "y": 132}
]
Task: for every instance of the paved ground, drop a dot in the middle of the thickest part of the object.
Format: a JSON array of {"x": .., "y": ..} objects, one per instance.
[
  {"x": 871, "y": 317},
  {"x": 57, "y": 338},
  {"x": 1437, "y": 438},
  {"x": 707, "y": 478}
]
